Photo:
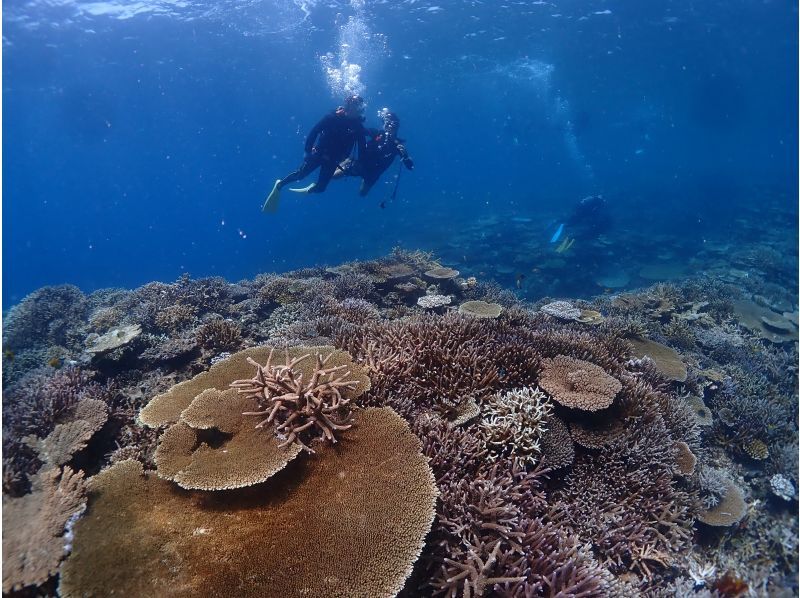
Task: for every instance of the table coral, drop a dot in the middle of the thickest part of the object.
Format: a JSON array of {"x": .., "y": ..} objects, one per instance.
[
  {"x": 578, "y": 384},
  {"x": 348, "y": 522}
]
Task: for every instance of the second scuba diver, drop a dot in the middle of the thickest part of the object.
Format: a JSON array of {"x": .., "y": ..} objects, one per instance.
[
  {"x": 327, "y": 145},
  {"x": 381, "y": 149}
]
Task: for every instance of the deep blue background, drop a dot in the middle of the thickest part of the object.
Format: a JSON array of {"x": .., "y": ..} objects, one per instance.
[{"x": 138, "y": 148}]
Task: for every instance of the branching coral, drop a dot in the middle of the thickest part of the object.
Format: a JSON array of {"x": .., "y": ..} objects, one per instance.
[
  {"x": 625, "y": 502},
  {"x": 219, "y": 334},
  {"x": 298, "y": 407},
  {"x": 513, "y": 425}
]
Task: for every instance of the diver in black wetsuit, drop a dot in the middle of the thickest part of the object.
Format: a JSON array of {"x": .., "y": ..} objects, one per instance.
[
  {"x": 381, "y": 149},
  {"x": 327, "y": 145},
  {"x": 589, "y": 219}
]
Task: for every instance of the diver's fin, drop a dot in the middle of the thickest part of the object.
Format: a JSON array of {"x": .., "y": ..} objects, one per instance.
[
  {"x": 557, "y": 235},
  {"x": 304, "y": 189},
  {"x": 271, "y": 204}
]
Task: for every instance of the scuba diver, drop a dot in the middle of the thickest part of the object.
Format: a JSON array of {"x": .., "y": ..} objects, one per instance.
[
  {"x": 589, "y": 219},
  {"x": 327, "y": 145},
  {"x": 381, "y": 148}
]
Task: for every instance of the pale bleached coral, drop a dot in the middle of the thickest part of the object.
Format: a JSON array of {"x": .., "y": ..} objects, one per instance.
[{"x": 513, "y": 424}]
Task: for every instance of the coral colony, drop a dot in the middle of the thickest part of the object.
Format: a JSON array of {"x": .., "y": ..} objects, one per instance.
[{"x": 389, "y": 427}]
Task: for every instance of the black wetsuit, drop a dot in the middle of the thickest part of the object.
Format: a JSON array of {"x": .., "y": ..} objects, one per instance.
[
  {"x": 335, "y": 135},
  {"x": 589, "y": 219},
  {"x": 378, "y": 155}
]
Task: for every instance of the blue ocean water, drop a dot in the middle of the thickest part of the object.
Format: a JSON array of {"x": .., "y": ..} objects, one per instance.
[{"x": 141, "y": 138}]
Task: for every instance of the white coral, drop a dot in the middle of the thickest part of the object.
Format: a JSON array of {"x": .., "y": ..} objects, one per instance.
[
  {"x": 701, "y": 574},
  {"x": 514, "y": 425},
  {"x": 782, "y": 487}
]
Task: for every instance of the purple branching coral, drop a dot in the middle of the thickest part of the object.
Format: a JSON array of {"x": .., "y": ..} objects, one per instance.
[
  {"x": 489, "y": 535},
  {"x": 296, "y": 406},
  {"x": 625, "y": 502}
]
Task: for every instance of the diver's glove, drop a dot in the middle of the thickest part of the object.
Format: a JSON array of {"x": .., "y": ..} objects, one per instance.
[{"x": 408, "y": 163}]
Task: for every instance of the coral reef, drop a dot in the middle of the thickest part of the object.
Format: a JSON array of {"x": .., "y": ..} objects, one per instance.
[{"x": 638, "y": 443}]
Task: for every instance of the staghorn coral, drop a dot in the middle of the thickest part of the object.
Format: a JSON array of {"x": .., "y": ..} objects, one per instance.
[
  {"x": 578, "y": 384},
  {"x": 713, "y": 483},
  {"x": 680, "y": 334},
  {"x": 624, "y": 501},
  {"x": 33, "y": 406},
  {"x": 558, "y": 450},
  {"x": 513, "y": 424},
  {"x": 342, "y": 527},
  {"x": 223, "y": 335},
  {"x": 295, "y": 407},
  {"x": 166, "y": 408},
  {"x": 352, "y": 285},
  {"x": 33, "y": 527},
  {"x": 176, "y": 317},
  {"x": 48, "y": 316}
]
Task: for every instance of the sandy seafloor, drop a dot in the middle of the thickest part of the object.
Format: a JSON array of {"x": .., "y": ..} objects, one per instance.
[{"x": 642, "y": 441}]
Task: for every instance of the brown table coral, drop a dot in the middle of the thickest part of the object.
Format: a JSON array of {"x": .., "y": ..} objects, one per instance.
[
  {"x": 349, "y": 521},
  {"x": 578, "y": 384},
  {"x": 166, "y": 408}
]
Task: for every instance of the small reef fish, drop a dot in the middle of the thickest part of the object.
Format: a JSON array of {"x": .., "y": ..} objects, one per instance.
[
  {"x": 565, "y": 245},
  {"x": 520, "y": 280},
  {"x": 557, "y": 235}
]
